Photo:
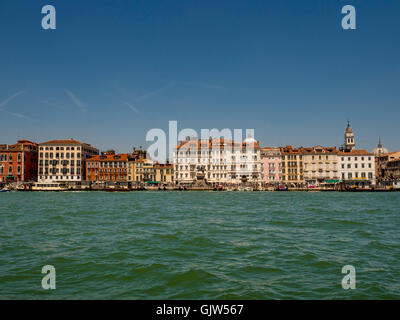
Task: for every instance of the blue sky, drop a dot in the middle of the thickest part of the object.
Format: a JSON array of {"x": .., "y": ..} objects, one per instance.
[{"x": 112, "y": 70}]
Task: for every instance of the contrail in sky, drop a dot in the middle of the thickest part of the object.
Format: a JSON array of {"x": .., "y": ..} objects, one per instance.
[{"x": 76, "y": 100}]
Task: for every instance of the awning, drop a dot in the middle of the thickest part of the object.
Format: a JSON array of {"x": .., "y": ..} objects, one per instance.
[
  {"x": 153, "y": 182},
  {"x": 332, "y": 181}
]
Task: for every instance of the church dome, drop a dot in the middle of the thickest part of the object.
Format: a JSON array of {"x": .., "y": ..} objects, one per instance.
[
  {"x": 380, "y": 149},
  {"x": 250, "y": 140}
]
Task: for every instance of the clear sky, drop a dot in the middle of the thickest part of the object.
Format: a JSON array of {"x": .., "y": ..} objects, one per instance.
[{"x": 112, "y": 70}]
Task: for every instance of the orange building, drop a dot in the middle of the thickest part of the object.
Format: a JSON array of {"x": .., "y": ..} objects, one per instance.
[
  {"x": 18, "y": 162},
  {"x": 108, "y": 167}
]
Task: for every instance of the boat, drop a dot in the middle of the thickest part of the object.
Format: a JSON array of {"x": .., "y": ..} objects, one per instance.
[
  {"x": 248, "y": 189},
  {"x": 5, "y": 190},
  {"x": 283, "y": 188},
  {"x": 50, "y": 187}
]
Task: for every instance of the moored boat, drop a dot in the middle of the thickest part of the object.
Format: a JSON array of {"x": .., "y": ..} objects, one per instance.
[{"x": 50, "y": 187}]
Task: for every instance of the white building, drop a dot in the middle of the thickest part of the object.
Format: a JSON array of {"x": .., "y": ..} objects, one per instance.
[
  {"x": 63, "y": 161},
  {"x": 218, "y": 161},
  {"x": 356, "y": 167}
]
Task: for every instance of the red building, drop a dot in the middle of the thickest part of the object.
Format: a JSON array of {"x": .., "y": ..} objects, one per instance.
[
  {"x": 108, "y": 167},
  {"x": 18, "y": 162}
]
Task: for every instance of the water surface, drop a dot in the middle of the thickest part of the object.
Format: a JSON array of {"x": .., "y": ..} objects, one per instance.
[{"x": 199, "y": 245}]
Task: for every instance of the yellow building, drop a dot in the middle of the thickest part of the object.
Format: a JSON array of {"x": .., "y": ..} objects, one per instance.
[
  {"x": 292, "y": 166},
  {"x": 164, "y": 172},
  {"x": 141, "y": 170},
  {"x": 320, "y": 166}
]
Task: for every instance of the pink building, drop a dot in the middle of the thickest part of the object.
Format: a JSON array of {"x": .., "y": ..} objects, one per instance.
[{"x": 271, "y": 165}]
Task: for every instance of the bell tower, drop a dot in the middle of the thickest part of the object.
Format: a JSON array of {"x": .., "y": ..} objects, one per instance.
[{"x": 349, "y": 143}]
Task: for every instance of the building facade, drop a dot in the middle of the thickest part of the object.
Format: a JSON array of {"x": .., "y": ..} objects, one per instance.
[
  {"x": 387, "y": 162},
  {"x": 63, "y": 161},
  {"x": 271, "y": 165},
  {"x": 108, "y": 167},
  {"x": 392, "y": 171},
  {"x": 218, "y": 161},
  {"x": 292, "y": 166},
  {"x": 357, "y": 168},
  {"x": 141, "y": 171},
  {"x": 320, "y": 166},
  {"x": 164, "y": 173},
  {"x": 18, "y": 162}
]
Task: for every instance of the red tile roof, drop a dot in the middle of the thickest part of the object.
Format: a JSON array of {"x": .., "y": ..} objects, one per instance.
[
  {"x": 355, "y": 153},
  {"x": 110, "y": 157}
]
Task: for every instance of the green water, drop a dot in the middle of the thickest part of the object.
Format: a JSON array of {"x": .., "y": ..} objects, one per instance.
[{"x": 199, "y": 245}]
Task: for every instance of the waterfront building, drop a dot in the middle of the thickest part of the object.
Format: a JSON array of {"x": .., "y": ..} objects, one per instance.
[
  {"x": 271, "y": 165},
  {"x": 164, "y": 172},
  {"x": 218, "y": 161},
  {"x": 387, "y": 167},
  {"x": 392, "y": 171},
  {"x": 292, "y": 166},
  {"x": 320, "y": 166},
  {"x": 63, "y": 161},
  {"x": 108, "y": 167},
  {"x": 379, "y": 151},
  {"x": 18, "y": 162},
  {"x": 357, "y": 168},
  {"x": 141, "y": 171}
]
